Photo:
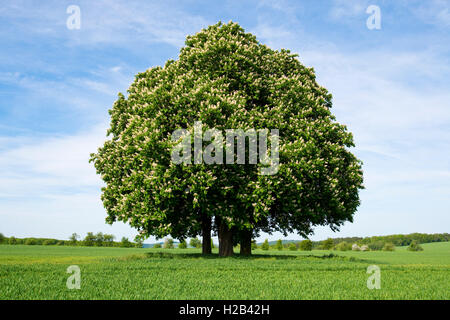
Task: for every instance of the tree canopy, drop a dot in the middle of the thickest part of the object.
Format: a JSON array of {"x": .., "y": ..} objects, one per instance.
[{"x": 224, "y": 78}]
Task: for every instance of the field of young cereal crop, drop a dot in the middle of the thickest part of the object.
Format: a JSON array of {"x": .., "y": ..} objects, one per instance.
[{"x": 39, "y": 272}]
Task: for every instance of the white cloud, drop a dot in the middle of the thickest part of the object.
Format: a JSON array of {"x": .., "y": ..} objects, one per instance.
[
  {"x": 397, "y": 104},
  {"x": 48, "y": 188},
  {"x": 107, "y": 22},
  {"x": 38, "y": 167}
]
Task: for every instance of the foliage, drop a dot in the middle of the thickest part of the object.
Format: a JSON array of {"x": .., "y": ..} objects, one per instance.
[
  {"x": 139, "y": 242},
  {"x": 99, "y": 239},
  {"x": 74, "y": 238},
  {"x": 343, "y": 246},
  {"x": 108, "y": 240},
  {"x": 30, "y": 241},
  {"x": 254, "y": 245},
  {"x": 306, "y": 245},
  {"x": 125, "y": 243},
  {"x": 89, "y": 240},
  {"x": 168, "y": 243},
  {"x": 293, "y": 246},
  {"x": 355, "y": 247},
  {"x": 157, "y": 245},
  {"x": 279, "y": 245},
  {"x": 182, "y": 244},
  {"x": 226, "y": 79},
  {"x": 376, "y": 245},
  {"x": 389, "y": 246},
  {"x": 265, "y": 245},
  {"x": 377, "y": 242},
  {"x": 414, "y": 246},
  {"x": 328, "y": 244},
  {"x": 195, "y": 243},
  {"x": 49, "y": 242}
]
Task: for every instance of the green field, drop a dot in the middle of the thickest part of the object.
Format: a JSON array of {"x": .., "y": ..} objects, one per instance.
[{"x": 39, "y": 272}]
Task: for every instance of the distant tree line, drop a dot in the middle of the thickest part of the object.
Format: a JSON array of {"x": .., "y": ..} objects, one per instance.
[
  {"x": 90, "y": 240},
  {"x": 386, "y": 243},
  {"x": 383, "y": 242}
]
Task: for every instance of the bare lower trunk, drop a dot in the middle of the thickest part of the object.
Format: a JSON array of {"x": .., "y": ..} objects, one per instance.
[
  {"x": 225, "y": 240},
  {"x": 246, "y": 242},
  {"x": 206, "y": 233}
]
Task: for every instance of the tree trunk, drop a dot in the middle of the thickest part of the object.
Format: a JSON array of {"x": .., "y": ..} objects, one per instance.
[
  {"x": 225, "y": 240},
  {"x": 206, "y": 233},
  {"x": 246, "y": 242}
]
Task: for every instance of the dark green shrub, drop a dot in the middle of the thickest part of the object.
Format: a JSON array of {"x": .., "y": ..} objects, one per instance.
[
  {"x": 389, "y": 246},
  {"x": 376, "y": 245},
  {"x": 194, "y": 242},
  {"x": 138, "y": 242},
  {"x": 125, "y": 243},
  {"x": 328, "y": 244},
  {"x": 168, "y": 243},
  {"x": 30, "y": 241},
  {"x": 74, "y": 239},
  {"x": 265, "y": 245},
  {"x": 182, "y": 244},
  {"x": 292, "y": 246},
  {"x": 306, "y": 245},
  {"x": 48, "y": 242},
  {"x": 414, "y": 246},
  {"x": 157, "y": 245},
  {"x": 343, "y": 246},
  {"x": 279, "y": 245},
  {"x": 99, "y": 239},
  {"x": 90, "y": 239}
]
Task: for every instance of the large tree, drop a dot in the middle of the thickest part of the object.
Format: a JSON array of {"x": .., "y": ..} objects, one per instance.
[{"x": 225, "y": 79}]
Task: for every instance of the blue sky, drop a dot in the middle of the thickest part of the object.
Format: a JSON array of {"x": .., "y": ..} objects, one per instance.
[{"x": 390, "y": 86}]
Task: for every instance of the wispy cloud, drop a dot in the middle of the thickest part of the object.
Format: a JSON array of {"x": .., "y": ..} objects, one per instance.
[
  {"x": 48, "y": 188},
  {"x": 390, "y": 88},
  {"x": 107, "y": 22},
  {"x": 397, "y": 103},
  {"x": 38, "y": 166}
]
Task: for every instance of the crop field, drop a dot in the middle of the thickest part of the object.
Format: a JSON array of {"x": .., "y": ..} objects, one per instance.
[{"x": 39, "y": 272}]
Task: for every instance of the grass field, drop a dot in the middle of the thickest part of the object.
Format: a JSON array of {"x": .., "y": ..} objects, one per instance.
[{"x": 39, "y": 272}]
